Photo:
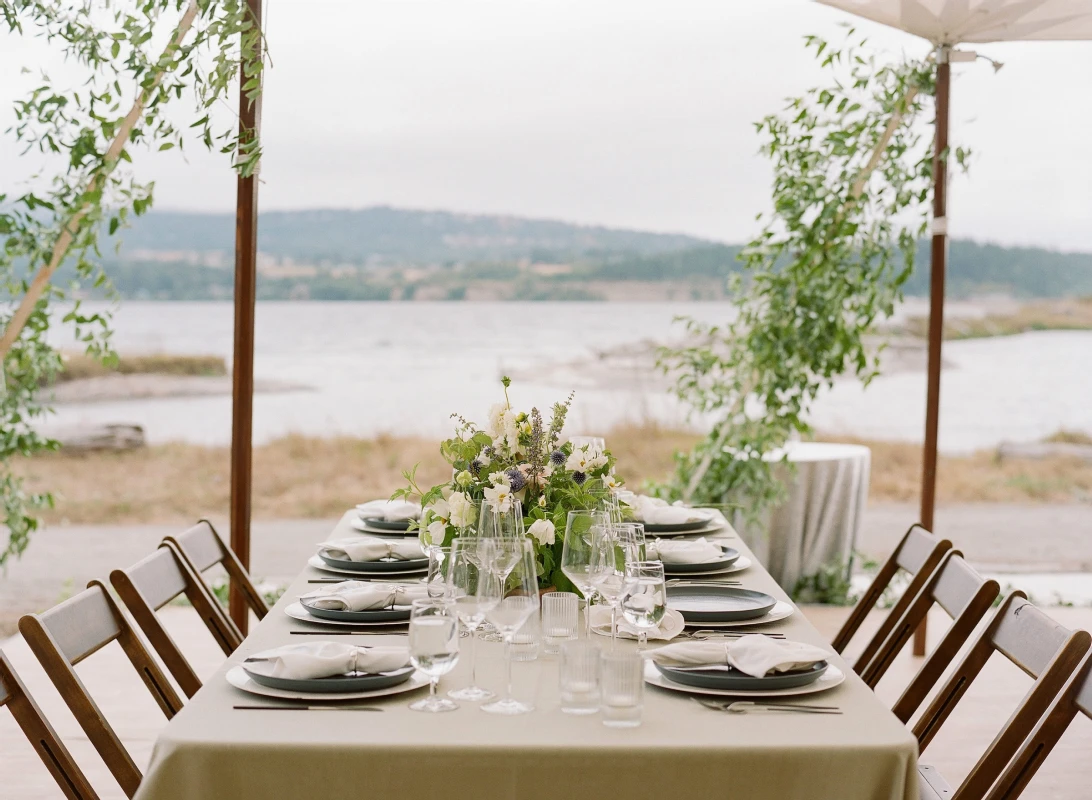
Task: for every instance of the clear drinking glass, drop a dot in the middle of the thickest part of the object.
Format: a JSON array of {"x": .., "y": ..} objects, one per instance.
[
  {"x": 509, "y": 603},
  {"x": 596, "y": 443},
  {"x": 527, "y": 641},
  {"x": 622, "y": 687},
  {"x": 579, "y": 677},
  {"x": 578, "y": 562},
  {"x": 438, "y": 582},
  {"x": 644, "y": 597},
  {"x": 608, "y": 564},
  {"x": 464, "y": 574},
  {"x": 631, "y": 538},
  {"x": 560, "y": 614},
  {"x": 434, "y": 648}
]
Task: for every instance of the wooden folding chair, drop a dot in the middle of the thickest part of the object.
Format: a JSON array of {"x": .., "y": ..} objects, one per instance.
[
  {"x": 918, "y": 553},
  {"x": 966, "y": 597},
  {"x": 1036, "y": 644},
  {"x": 70, "y": 632},
  {"x": 42, "y": 736},
  {"x": 202, "y": 548},
  {"x": 153, "y": 582},
  {"x": 1075, "y": 697}
]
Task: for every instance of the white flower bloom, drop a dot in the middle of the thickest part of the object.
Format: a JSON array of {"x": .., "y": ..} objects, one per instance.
[
  {"x": 495, "y": 428},
  {"x": 500, "y": 479},
  {"x": 542, "y": 530},
  {"x": 510, "y": 430},
  {"x": 462, "y": 510},
  {"x": 611, "y": 482},
  {"x": 500, "y": 497},
  {"x": 579, "y": 461},
  {"x": 440, "y": 509},
  {"x": 437, "y": 531},
  {"x": 542, "y": 501}
]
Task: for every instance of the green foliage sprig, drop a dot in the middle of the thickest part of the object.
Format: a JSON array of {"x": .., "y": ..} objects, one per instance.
[
  {"x": 131, "y": 85},
  {"x": 851, "y": 184}
]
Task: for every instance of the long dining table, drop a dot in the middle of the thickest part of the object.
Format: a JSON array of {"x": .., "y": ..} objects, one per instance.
[{"x": 211, "y": 750}]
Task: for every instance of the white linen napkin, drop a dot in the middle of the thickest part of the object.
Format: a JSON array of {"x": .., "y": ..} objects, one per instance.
[
  {"x": 364, "y": 596},
  {"x": 325, "y": 659},
  {"x": 600, "y": 620},
  {"x": 654, "y": 511},
  {"x": 698, "y": 551},
  {"x": 390, "y": 510},
  {"x": 754, "y": 655},
  {"x": 372, "y": 549}
]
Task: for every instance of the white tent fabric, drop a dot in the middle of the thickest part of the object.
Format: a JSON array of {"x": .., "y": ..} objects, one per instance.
[{"x": 952, "y": 22}]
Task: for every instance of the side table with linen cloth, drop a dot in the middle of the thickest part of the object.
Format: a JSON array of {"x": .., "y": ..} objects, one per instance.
[
  {"x": 681, "y": 750},
  {"x": 817, "y": 524}
]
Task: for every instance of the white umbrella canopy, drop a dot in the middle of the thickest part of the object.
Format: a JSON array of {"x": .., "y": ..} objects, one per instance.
[{"x": 952, "y": 22}]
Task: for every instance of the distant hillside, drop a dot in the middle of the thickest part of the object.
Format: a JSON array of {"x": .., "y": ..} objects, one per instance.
[{"x": 396, "y": 236}]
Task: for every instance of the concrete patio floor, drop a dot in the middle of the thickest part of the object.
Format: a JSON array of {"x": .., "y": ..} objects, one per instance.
[{"x": 1066, "y": 775}]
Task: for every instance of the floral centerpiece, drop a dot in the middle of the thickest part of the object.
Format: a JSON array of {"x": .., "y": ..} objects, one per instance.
[{"x": 518, "y": 456}]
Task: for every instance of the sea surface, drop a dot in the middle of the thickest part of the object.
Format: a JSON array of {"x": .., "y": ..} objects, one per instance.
[{"x": 403, "y": 368}]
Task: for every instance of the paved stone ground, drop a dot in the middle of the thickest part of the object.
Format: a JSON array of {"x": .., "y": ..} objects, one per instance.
[{"x": 1066, "y": 775}]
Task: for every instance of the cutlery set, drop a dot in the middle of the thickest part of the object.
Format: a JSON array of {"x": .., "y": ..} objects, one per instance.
[{"x": 752, "y": 707}]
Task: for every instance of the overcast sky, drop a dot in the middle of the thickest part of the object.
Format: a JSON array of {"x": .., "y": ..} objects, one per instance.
[{"x": 633, "y": 113}]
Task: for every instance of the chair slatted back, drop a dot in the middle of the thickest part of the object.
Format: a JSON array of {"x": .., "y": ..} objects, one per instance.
[
  {"x": 42, "y": 736},
  {"x": 917, "y": 553},
  {"x": 965, "y": 596},
  {"x": 202, "y": 548},
  {"x": 1075, "y": 698},
  {"x": 1042, "y": 648},
  {"x": 70, "y": 632},
  {"x": 153, "y": 582}
]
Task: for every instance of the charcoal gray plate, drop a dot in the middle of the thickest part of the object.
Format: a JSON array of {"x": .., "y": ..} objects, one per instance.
[
  {"x": 699, "y": 603},
  {"x": 355, "y": 682},
  {"x": 394, "y": 565},
  {"x": 730, "y": 557},
  {"x": 362, "y": 526},
  {"x": 377, "y": 615},
  {"x": 680, "y": 527},
  {"x": 734, "y": 679},
  {"x": 387, "y": 525}
]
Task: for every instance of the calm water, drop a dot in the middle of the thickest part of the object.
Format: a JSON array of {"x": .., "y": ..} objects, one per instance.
[{"x": 389, "y": 367}]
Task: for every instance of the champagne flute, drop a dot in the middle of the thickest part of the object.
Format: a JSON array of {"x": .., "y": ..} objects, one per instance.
[
  {"x": 516, "y": 599},
  {"x": 434, "y": 648},
  {"x": 470, "y": 607},
  {"x": 644, "y": 597},
  {"x": 576, "y": 555}
]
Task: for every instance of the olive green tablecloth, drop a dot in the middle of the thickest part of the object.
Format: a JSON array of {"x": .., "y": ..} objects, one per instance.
[{"x": 211, "y": 752}]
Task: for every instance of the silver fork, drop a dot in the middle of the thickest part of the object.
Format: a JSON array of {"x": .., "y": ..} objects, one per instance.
[
  {"x": 704, "y": 634},
  {"x": 751, "y": 707}
]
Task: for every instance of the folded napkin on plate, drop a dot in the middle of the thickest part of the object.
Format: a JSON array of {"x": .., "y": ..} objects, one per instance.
[
  {"x": 325, "y": 659},
  {"x": 600, "y": 620},
  {"x": 390, "y": 510},
  {"x": 754, "y": 655},
  {"x": 654, "y": 511},
  {"x": 372, "y": 549},
  {"x": 362, "y": 596},
  {"x": 699, "y": 551}
]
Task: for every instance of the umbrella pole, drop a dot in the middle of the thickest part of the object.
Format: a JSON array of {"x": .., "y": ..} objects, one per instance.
[
  {"x": 938, "y": 263},
  {"x": 242, "y": 384}
]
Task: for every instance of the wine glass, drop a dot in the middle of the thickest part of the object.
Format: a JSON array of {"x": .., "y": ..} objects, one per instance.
[
  {"x": 464, "y": 574},
  {"x": 644, "y": 597},
  {"x": 576, "y": 555},
  {"x": 496, "y": 522},
  {"x": 438, "y": 581},
  {"x": 595, "y": 444},
  {"x": 434, "y": 648},
  {"x": 608, "y": 570},
  {"x": 631, "y": 538},
  {"x": 510, "y": 603}
]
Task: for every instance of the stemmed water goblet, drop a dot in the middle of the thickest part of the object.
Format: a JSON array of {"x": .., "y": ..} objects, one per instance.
[
  {"x": 498, "y": 523},
  {"x": 464, "y": 574},
  {"x": 644, "y": 597},
  {"x": 608, "y": 570},
  {"x": 438, "y": 581},
  {"x": 434, "y": 648},
  {"x": 509, "y": 602},
  {"x": 578, "y": 561}
]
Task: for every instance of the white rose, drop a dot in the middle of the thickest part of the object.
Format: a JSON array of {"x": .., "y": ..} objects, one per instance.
[
  {"x": 542, "y": 530},
  {"x": 462, "y": 510},
  {"x": 500, "y": 497}
]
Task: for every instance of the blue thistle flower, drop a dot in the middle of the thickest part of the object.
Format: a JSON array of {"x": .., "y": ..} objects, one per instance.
[
  {"x": 475, "y": 467},
  {"x": 488, "y": 451},
  {"x": 557, "y": 458},
  {"x": 516, "y": 479},
  {"x": 579, "y": 478}
]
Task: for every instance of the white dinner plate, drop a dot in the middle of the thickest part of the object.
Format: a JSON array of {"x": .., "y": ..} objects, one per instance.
[
  {"x": 828, "y": 680},
  {"x": 780, "y": 610},
  {"x": 360, "y": 525},
  {"x": 319, "y": 564},
  {"x": 738, "y": 565},
  {"x": 296, "y": 611},
  {"x": 672, "y": 625},
  {"x": 238, "y": 678}
]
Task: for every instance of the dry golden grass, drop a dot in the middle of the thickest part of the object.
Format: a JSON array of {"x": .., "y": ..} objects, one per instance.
[
  {"x": 1045, "y": 315},
  {"x": 300, "y": 477},
  {"x": 80, "y": 365}
]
